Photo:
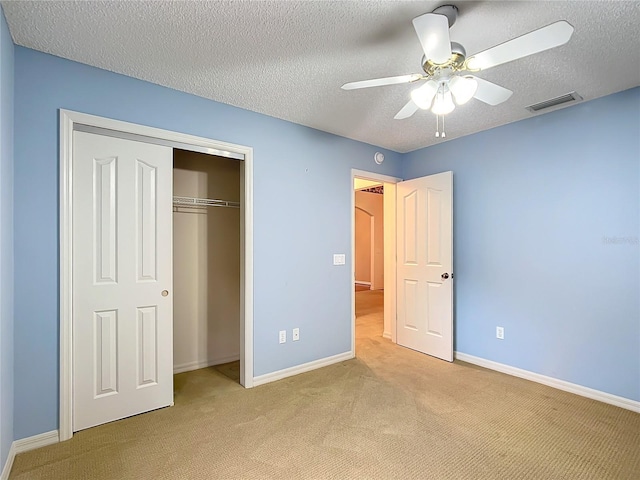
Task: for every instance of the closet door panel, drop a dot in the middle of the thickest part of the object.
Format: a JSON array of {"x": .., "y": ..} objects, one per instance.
[{"x": 122, "y": 278}]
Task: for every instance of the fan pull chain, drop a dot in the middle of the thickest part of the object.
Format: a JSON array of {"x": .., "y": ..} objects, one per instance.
[{"x": 439, "y": 132}]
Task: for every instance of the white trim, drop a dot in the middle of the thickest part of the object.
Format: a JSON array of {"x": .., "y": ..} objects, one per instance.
[
  {"x": 105, "y": 132},
  {"x": 246, "y": 272},
  {"x": 67, "y": 121},
  {"x": 360, "y": 282},
  {"x": 36, "y": 441},
  {"x": 372, "y": 176},
  {"x": 390, "y": 272},
  {"x": 198, "y": 364},
  {"x": 372, "y": 250},
  {"x": 389, "y": 254},
  {"x": 159, "y": 133},
  {"x": 66, "y": 291},
  {"x": 298, "y": 369},
  {"x": 26, "y": 444},
  {"x": 587, "y": 392},
  {"x": 6, "y": 470}
]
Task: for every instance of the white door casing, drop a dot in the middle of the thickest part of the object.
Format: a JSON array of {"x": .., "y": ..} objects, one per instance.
[
  {"x": 71, "y": 121},
  {"x": 389, "y": 222},
  {"x": 122, "y": 278},
  {"x": 425, "y": 265}
]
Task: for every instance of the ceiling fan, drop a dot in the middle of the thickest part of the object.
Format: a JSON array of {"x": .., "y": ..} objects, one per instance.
[{"x": 446, "y": 66}]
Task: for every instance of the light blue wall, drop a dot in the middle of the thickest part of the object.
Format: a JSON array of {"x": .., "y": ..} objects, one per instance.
[
  {"x": 534, "y": 204},
  {"x": 6, "y": 240},
  {"x": 533, "y": 201},
  {"x": 302, "y": 188}
]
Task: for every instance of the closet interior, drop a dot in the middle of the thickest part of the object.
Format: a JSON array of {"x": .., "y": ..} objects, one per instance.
[{"x": 206, "y": 261}]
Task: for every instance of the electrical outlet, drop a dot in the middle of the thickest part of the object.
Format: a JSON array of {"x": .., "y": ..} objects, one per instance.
[
  {"x": 283, "y": 336},
  {"x": 296, "y": 335},
  {"x": 500, "y": 333}
]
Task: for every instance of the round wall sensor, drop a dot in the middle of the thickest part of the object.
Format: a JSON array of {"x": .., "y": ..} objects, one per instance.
[{"x": 378, "y": 157}]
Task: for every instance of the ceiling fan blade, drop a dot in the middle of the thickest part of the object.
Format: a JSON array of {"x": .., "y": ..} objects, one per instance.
[
  {"x": 491, "y": 93},
  {"x": 405, "y": 112},
  {"x": 537, "y": 41},
  {"x": 379, "y": 82},
  {"x": 433, "y": 32}
]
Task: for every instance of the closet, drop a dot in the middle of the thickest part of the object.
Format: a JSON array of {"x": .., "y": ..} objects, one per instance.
[{"x": 206, "y": 260}]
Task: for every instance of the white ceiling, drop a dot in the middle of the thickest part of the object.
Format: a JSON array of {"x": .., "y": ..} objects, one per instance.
[{"x": 288, "y": 59}]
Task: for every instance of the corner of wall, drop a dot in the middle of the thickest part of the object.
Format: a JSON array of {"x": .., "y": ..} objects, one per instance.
[{"x": 7, "y": 49}]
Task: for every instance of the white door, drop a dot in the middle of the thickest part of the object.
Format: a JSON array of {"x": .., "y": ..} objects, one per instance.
[
  {"x": 424, "y": 265},
  {"x": 122, "y": 278}
]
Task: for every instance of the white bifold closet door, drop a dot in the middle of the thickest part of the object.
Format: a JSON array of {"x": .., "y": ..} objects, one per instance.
[{"x": 122, "y": 278}]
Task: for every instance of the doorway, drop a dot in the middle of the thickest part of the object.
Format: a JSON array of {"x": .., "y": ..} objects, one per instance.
[
  {"x": 71, "y": 122},
  {"x": 206, "y": 262},
  {"x": 369, "y": 260},
  {"x": 418, "y": 288},
  {"x": 373, "y": 254}
]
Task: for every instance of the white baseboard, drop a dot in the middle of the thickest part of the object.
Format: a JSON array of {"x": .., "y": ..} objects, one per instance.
[
  {"x": 6, "y": 471},
  {"x": 187, "y": 367},
  {"x": 604, "y": 397},
  {"x": 386, "y": 335},
  {"x": 358, "y": 282},
  {"x": 26, "y": 444},
  {"x": 37, "y": 441},
  {"x": 305, "y": 367}
]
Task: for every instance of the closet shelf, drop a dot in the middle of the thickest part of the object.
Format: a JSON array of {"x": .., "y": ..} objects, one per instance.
[{"x": 203, "y": 202}]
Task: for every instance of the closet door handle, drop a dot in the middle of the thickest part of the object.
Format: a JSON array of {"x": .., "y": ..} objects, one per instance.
[{"x": 165, "y": 293}]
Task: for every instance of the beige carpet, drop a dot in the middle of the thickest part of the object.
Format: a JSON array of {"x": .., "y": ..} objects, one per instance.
[{"x": 390, "y": 413}]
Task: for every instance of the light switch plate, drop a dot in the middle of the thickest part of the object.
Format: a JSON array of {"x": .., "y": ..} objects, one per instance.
[{"x": 339, "y": 259}]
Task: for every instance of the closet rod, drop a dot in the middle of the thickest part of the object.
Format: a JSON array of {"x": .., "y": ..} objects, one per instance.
[{"x": 203, "y": 202}]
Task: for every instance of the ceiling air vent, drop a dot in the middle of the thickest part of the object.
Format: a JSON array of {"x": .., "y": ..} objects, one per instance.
[{"x": 554, "y": 102}]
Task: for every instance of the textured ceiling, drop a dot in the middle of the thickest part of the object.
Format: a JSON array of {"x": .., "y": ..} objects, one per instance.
[{"x": 288, "y": 59}]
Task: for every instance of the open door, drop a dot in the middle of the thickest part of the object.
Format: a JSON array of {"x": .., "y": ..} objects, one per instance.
[{"x": 425, "y": 265}]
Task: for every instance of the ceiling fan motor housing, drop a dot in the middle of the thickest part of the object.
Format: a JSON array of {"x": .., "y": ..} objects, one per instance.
[
  {"x": 456, "y": 62},
  {"x": 449, "y": 11}
]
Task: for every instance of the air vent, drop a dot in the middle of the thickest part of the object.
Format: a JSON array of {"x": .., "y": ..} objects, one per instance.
[{"x": 554, "y": 102}]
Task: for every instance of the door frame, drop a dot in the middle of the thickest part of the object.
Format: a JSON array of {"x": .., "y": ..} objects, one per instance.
[
  {"x": 389, "y": 221},
  {"x": 69, "y": 120}
]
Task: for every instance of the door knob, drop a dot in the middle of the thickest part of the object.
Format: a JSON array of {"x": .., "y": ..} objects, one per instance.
[
  {"x": 165, "y": 293},
  {"x": 445, "y": 276}
]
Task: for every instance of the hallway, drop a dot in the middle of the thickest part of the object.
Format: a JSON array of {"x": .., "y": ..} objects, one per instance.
[{"x": 369, "y": 320}]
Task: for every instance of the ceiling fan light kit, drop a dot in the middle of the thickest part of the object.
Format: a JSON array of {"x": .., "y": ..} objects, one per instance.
[
  {"x": 423, "y": 96},
  {"x": 444, "y": 63},
  {"x": 463, "y": 88},
  {"x": 443, "y": 103}
]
